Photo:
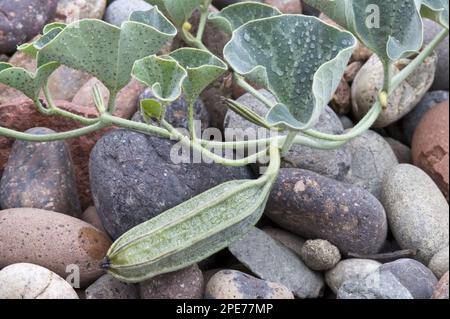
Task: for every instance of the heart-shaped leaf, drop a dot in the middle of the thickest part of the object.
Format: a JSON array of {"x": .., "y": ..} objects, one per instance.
[
  {"x": 235, "y": 15},
  {"x": 202, "y": 69},
  {"x": 108, "y": 52},
  {"x": 178, "y": 11},
  {"x": 151, "y": 109},
  {"x": 28, "y": 83},
  {"x": 436, "y": 10},
  {"x": 392, "y": 29},
  {"x": 163, "y": 74},
  {"x": 299, "y": 59}
]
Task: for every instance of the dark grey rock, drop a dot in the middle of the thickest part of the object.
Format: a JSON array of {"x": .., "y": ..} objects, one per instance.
[
  {"x": 290, "y": 240},
  {"x": 331, "y": 163},
  {"x": 120, "y": 10},
  {"x": 372, "y": 158},
  {"x": 21, "y": 20},
  {"x": 272, "y": 261},
  {"x": 431, "y": 29},
  {"x": 40, "y": 175},
  {"x": 314, "y": 206},
  {"x": 412, "y": 119},
  {"x": 107, "y": 287},
  {"x": 418, "y": 213},
  {"x": 320, "y": 254},
  {"x": 350, "y": 269},
  {"x": 187, "y": 283},
  {"x": 232, "y": 284},
  {"x": 347, "y": 123},
  {"x": 134, "y": 178},
  {"x": 377, "y": 285},
  {"x": 414, "y": 276}
]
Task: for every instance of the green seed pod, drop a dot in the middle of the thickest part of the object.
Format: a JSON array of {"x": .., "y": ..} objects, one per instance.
[{"x": 191, "y": 231}]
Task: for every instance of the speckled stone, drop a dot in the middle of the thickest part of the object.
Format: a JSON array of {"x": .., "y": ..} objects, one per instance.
[
  {"x": 372, "y": 159},
  {"x": 349, "y": 270},
  {"x": 187, "y": 283},
  {"x": 232, "y": 284},
  {"x": 107, "y": 287},
  {"x": 431, "y": 29},
  {"x": 28, "y": 281},
  {"x": 439, "y": 263},
  {"x": 20, "y": 20},
  {"x": 40, "y": 175},
  {"x": 412, "y": 119},
  {"x": 290, "y": 240},
  {"x": 313, "y": 206},
  {"x": 320, "y": 254},
  {"x": 414, "y": 276},
  {"x": 331, "y": 163},
  {"x": 272, "y": 261},
  {"x": 369, "y": 81},
  {"x": 417, "y": 211},
  {"x": 90, "y": 216},
  {"x": 441, "y": 289},
  {"x": 377, "y": 285},
  {"x": 430, "y": 146},
  {"x": 120, "y": 10},
  {"x": 52, "y": 240},
  {"x": 69, "y": 11}
]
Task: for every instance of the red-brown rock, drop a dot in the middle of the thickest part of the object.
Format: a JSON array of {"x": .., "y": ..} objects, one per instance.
[
  {"x": 441, "y": 290},
  {"x": 430, "y": 146},
  {"x": 21, "y": 115}
]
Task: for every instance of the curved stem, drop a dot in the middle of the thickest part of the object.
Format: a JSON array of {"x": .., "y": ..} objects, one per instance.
[
  {"x": 54, "y": 110},
  {"x": 137, "y": 126},
  {"x": 411, "y": 67},
  {"x": 203, "y": 19},
  {"x": 289, "y": 141},
  {"x": 191, "y": 41},
  {"x": 51, "y": 137},
  {"x": 250, "y": 89},
  {"x": 214, "y": 157}
]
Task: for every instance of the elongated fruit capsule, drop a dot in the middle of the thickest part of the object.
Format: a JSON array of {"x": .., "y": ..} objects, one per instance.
[{"x": 191, "y": 231}]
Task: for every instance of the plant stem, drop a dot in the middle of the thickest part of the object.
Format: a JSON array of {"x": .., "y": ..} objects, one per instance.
[
  {"x": 411, "y": 67},
  {"x": 54, "y": 110},
  {"x": 250, "y": 89},
  {"x": 112, "y": 102},
  {"x": 107, "y": 118},
  {"x": 191, "y": 41},
  {"x": 288, "y": 143},
  {"x": 387, "y": 68},
  {"x": 50, "y": 137},
  {"x": 191, "y": 105},
  {"x": 214, "y": 157},
  {"x": 203, "y": 19}
]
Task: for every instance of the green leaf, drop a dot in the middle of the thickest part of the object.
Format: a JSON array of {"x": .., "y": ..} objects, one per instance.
[
  {"x": 178, "y": 11},
  {"x": 28, "y": 83},
  {"x": 235, "y": 15},
  {"x": 299, "y": 59},
  {"x": 436, "y": 10},
  {"x": 50, "y": 32},
  {"x": 190, "y": 232},
  {"x": 163, "y": 74},
  {"x": 108, "y": 52},
  {"x": 392, "y": 29},
  {"x": 151, "y": 109},
  {"x": 202, "y": 69}
]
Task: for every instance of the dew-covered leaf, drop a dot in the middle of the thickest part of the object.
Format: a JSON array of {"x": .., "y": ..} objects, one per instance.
[
  {"x": 28, "y": 83},
  {"x": 232, "y": 17},
  {"x": 178, "y": 11},
  {"x": 202, "y": 68},
  {"x": 436, "y": 10},
  {"x": 299, "y": 59},
  {"x": 108, "y": 52},
  {"x": 163, "y": 74},
  {"x": 190, "y": 232},
  {"x": 392, "y": 29}
]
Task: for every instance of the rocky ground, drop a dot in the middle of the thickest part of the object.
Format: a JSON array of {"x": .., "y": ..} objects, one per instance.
[{"x": 367, "y": 221}]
